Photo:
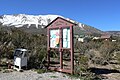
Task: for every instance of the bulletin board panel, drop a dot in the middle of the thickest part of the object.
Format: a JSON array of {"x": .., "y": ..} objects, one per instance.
[{"x": 54, "y": 38}]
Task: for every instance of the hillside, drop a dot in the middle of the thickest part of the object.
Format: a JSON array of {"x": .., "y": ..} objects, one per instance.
[
  {"x": 36, "y": 23},
  {"x": 114, "y": 33}
]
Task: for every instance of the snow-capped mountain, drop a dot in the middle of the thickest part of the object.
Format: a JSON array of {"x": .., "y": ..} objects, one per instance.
[
  {"x": 39, "y": 21},
  {"x": 23, "y": 19}
]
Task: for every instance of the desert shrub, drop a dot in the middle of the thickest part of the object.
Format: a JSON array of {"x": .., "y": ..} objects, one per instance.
[
  {"x": 106, "y": 50},
  {"x": 85, "y": 47},
  {"x": 38, "y": 50},
  {"x": 81, "y": 47},
  {"x": 54, "y": 54},
  {"x": 81, "y": 64},
  {"x": 90, "y": 54},
  {"x": 40, "y": 71},
  {"x": 17, "y": 38},
  {"x": 95, "y": 44},
  {"x": 37, "y": 57},
  {"x": 82, "y": 69},
  {"x": 117, "y": 56}
]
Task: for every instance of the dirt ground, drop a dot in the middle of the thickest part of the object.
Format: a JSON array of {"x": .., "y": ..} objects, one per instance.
[{"x": 32, "y": 75}]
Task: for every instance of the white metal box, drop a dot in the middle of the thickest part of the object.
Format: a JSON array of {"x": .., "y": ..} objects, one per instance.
[{"x": 20, "y": 58}]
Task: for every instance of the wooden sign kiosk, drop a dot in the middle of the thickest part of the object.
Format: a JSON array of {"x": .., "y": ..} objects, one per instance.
[{"x": 60, "y": 38}]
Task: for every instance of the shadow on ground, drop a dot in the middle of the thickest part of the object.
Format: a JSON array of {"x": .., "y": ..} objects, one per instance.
[{"x": 103, "y": 71}]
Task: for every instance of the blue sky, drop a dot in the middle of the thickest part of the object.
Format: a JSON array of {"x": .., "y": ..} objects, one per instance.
[{"x": 101, "y": 14}]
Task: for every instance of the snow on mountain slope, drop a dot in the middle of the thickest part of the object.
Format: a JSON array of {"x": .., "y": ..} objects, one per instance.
[{"x": 23, "y": 19}]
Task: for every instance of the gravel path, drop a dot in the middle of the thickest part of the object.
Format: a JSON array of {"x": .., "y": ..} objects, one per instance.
[{"x": 31, "y": 75}]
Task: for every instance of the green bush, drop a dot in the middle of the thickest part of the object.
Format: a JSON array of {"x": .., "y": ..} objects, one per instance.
[
  {"x": 81, "y": 64},
  {"x": 16, "y": 38},
  {"x": 40, "y": 71},
  {"x": 106, "y": 50}
]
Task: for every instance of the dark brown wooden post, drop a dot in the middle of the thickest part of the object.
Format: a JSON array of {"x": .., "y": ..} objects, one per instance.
[
  {"x": 60, "y": 50},
  {"x": 48, "y": 46},
  {"x": 72, "y": 49}
]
